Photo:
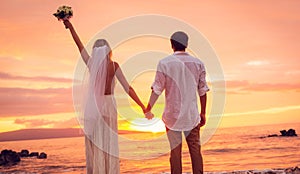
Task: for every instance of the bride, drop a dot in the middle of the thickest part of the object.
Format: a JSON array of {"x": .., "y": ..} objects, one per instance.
[{"x": 99, "y": 108}]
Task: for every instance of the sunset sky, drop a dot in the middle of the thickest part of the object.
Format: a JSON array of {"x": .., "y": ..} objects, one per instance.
[{"x": 257, "y": 43}]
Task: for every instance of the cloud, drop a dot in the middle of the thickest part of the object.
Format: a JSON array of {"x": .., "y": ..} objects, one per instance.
[
  {"x": 246, "y": 86},
  {"x": 23, "y": 101},
  {"x": 34, "y": 123},
  {"x": 292, "y": 72},
  {"x": 257, "y": 63},
  {"x": 70, "y": 123},
  {"x": 265, "y": 111},
  {"x": 7, "y": 76},
  {"x": 272, "y": 87},
  {"x": 39, "y": 67},
  {"x": 38, "y": 123}
]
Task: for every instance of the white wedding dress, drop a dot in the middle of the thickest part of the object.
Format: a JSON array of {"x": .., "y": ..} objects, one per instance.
[{"x": 98, "y": 117}]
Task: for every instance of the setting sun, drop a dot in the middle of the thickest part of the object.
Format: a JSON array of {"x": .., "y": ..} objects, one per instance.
[{"x": 142, "y": 124}]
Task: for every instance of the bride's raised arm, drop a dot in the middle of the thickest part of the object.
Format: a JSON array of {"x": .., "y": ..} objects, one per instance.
[{"x": 85, "y": 56}]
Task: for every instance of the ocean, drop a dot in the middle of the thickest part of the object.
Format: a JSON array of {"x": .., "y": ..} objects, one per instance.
[{"x": 229, "y": 149}]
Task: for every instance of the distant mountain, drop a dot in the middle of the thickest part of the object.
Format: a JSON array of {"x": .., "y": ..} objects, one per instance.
[{"x": 33, "y": 134}]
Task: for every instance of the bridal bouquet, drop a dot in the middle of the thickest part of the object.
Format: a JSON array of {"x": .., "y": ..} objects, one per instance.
[{"x": 63, "y": 12}]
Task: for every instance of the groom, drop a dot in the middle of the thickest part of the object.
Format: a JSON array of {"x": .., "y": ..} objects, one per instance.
[{"x": 181, "y": 76}]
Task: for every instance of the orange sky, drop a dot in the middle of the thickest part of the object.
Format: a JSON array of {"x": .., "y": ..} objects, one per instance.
[{"x": 257, "y": 43}]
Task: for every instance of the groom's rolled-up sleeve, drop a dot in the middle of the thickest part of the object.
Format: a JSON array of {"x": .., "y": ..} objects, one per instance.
[
  {"x": 158, "y": 85},
  {"x": 202, "y": 84}
]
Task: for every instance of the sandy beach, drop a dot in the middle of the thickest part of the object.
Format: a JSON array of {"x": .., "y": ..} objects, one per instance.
[{"x": 291, "y": 170}]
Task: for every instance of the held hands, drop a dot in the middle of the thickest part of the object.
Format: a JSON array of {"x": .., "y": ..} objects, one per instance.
[{"x": 148, "y": 114}]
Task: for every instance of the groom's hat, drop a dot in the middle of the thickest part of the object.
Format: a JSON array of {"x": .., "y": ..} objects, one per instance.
[{"x": 180, "y": 39}]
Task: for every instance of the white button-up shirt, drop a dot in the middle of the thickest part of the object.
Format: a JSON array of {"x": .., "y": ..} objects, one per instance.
[{"x": 181, "y": 76}]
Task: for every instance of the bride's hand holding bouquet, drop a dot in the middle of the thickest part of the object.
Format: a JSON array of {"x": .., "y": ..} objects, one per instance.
[
  {"x": 64, "y": 13},
  {"x": 68, "y": 24}
]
